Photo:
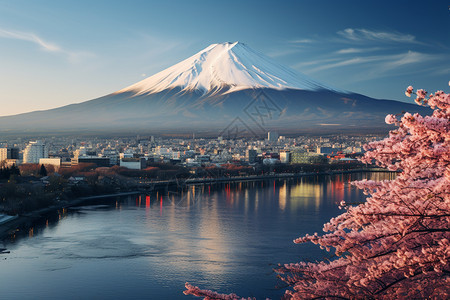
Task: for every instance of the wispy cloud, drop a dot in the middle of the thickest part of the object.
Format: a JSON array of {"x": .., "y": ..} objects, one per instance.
[
  {"x": 291, "y": 46},
  {"x": 314, "y": 62},
  {"x": 44, "y": 45},
  {"x": 444, "y": 71},
  {"x": 356, "y": 50},
  {"x": 398, "y": 64},
  {"x": 30, "y": 37},
  {"x": 365, "y": 34},
  {"x": 410, "y": 57},
  {"x": 382, "y": 64},
  {"x": 347, "y": 62},
  {"x": 301, "y": 41}
]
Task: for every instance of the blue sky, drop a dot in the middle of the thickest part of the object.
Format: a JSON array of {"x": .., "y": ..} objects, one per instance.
[{"x": 54, "y": 53}]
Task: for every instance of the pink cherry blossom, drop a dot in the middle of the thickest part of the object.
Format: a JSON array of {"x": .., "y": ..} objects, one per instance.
[
  {"x": 391, "y": 119},
  {"x": 408, "y": 91},
  {"x": 209, "y": 295},
  {"x": 396, "y": 245}
]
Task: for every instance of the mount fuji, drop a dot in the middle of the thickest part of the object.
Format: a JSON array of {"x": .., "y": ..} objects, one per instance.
[
  {"x": 226, "y": 67},
  {"x": 225, "y": 89}
]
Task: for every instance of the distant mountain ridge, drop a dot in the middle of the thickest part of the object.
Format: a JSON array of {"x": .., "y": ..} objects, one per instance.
[{"x": 225, "y": 89}]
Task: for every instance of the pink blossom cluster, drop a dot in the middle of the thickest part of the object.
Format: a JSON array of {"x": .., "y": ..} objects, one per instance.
[
  {"x": 409, "y": 90},
  {"x": 210, "y": 295},
  {"x": 396, "y": 245}
]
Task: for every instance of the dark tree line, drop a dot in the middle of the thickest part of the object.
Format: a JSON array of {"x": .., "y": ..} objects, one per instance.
[{"x": 7, "y": 172}]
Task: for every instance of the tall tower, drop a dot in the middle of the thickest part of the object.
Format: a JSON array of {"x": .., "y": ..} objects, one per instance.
[{"x": 34, "y": 151}]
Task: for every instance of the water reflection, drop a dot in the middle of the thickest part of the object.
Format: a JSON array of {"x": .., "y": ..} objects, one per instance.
[
  {"x": 226, "y": 237},
  {"x": 283, "y": 197}
]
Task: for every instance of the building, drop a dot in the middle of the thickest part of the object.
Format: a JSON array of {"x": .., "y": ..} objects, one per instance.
[
  {"x": 83, "y": 151},
  {"x": 98, "y": 161},
  {"x": 285, "y": 157},
  {"x": 203, "y": 158},
  {"x": 327, "y": 150},
  {"x": 56, "y": 162},
  {"x": 112, "y": 154},
  {"x": 126, "y": 155},
  {"x": 307, "y": 158},
  {"x": 133, "y": 163},
  {"x": 176, "y": 155},
  {"x": 272, "y": 136},
  {"x": 250, "y": 155},
  {"x": 35, "y": 151},
  {"x": 9, "y": 153},
  {"x": 3, "y": 154}
]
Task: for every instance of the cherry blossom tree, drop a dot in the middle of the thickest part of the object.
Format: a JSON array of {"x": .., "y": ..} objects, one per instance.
[{"x": 396, "y": 245}]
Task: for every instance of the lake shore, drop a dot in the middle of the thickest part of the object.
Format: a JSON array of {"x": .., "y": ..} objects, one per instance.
[{"x": 9, "y": 227}]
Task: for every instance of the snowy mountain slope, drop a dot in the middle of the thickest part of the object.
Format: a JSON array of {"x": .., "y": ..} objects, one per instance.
[
  {"x": 223, "y": 87},
  {"x": 225, "y": 67}
]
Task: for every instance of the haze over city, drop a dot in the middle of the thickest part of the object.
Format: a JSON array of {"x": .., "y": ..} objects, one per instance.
[{"x": 55, "y": 53}]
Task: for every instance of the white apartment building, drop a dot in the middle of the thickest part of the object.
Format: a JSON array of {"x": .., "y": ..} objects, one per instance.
[
  {"x": 3, "y": 154},
  {"x": 55, "y": 162},
  {"x": 35, "y": 151}
]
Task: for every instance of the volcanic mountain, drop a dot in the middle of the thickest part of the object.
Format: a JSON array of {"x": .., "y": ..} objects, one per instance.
[{"x": 225, "y": 89}]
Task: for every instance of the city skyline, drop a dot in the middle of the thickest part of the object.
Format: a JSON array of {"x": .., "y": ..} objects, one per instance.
[{"x": 54, "y": 54}]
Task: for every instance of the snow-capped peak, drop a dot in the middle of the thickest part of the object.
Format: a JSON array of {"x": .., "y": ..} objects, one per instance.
[{"x": 233, "y": 66}]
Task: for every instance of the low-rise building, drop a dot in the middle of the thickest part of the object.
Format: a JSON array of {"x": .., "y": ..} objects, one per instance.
[
  {"x": 55, "y": 162},
  {"x": 99, "y": 161},
  {"x": 327, "y": 150},
  {"x": 133, "y": 163},
  {"x": 307, "y": 158},
  {"x": 285, "y": 157}
]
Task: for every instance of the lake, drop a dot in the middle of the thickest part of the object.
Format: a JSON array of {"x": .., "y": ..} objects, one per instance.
[{"x": 226, "y": 237}]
